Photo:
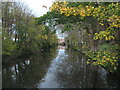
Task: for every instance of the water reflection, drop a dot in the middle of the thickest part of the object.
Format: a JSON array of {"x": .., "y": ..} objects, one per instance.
[
  {"x": 27, "y": 73},
  {"x": 69, "y": 70},
  {"x": 75, "y": 73},
  {"x": 49, "y": 79},
  {"x": 60, "y": 68}
]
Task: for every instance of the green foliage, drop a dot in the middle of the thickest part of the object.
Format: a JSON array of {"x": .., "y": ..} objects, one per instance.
[
  {"x": 67, "y": 27},
  {"x": 8, "y": 46},
  {"x": 108, "y": 47},
  {"x": 22, "y": 32},
  {"x": 106, "y": 59},
  {"x": 57, "y": 18},
  {"x": 99, "y": 30}
]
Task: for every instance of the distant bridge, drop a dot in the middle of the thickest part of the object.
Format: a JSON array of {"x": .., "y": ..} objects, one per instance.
[{"x": 61, "y": 42}]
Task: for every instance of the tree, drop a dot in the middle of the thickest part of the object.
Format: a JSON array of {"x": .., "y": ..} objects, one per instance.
[
  {"x": 21, "y": 33},
  {"x": 104, "y": 16}
]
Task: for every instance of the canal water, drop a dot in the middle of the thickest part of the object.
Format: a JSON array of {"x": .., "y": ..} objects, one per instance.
[{"x": 60, "y": 68}]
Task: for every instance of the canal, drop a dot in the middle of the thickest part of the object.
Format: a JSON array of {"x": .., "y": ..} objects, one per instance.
[{"x": 60, "y": 68}]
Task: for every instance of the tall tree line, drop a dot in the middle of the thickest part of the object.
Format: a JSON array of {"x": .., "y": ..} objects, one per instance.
[
  {"x": 20, "y": 34},
  {"x": 92, "y": 28}
]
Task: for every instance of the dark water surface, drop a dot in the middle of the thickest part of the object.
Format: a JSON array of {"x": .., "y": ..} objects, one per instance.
[{"x": 60, "y": 68}]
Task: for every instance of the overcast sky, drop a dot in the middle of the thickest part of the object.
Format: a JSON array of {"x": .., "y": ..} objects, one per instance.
[
  {"x": 36, "y": 6},
  {"x": 38, "y": 10}
]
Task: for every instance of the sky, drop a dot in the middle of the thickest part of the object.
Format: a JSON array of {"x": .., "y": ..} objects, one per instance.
[
  {"x": 36, "y": 6},
  {"x": 38, "y": 10}
]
